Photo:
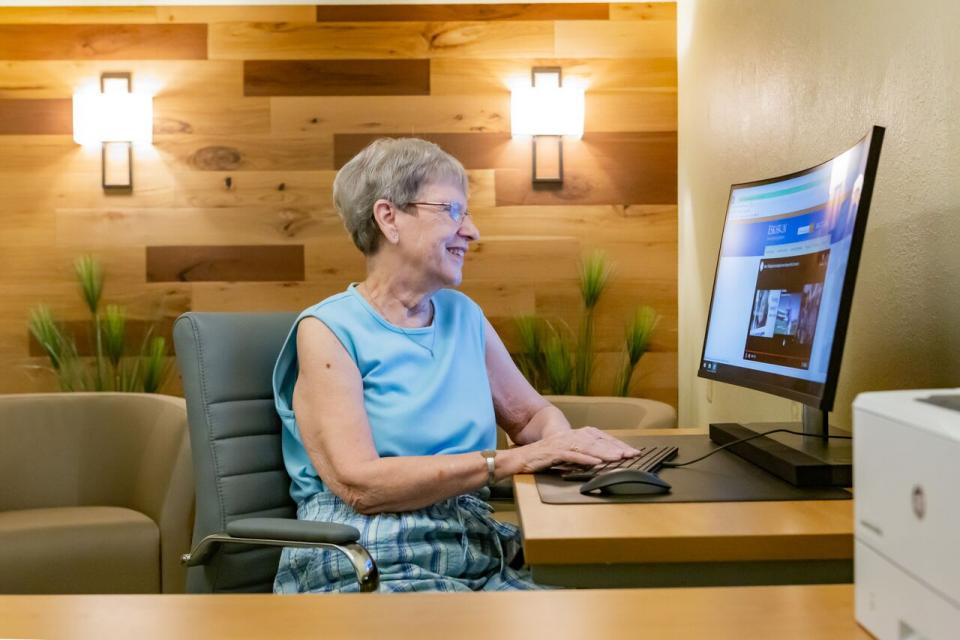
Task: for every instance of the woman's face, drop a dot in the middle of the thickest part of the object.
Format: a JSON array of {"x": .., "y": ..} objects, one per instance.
[{"x": 431, "y": 240}]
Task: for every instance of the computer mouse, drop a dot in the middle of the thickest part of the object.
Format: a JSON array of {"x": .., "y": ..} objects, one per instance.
[{"x": 626, "y": 482}]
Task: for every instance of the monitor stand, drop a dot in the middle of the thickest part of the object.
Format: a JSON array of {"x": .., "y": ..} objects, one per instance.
[{"x": 804, "y": 461}]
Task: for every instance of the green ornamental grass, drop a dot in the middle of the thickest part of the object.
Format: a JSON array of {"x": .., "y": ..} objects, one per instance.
[
  {"x": 146, "y": 371},
  {"x": 636, "y": 342},
  {"x": 595, "y": 272},
  {"x": 546, "y": 357}
]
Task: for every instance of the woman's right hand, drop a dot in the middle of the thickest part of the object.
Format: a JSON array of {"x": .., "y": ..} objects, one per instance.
[{"x": 586, "y": 446}]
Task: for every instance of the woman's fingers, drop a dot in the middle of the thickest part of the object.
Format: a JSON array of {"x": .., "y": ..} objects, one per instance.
[
  {"x": 579, "y": 458},
  {"x": 609, "y": 448}
]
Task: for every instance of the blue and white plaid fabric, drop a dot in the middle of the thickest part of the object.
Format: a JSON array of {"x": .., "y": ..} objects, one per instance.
[{"x": 454, "y": 545}]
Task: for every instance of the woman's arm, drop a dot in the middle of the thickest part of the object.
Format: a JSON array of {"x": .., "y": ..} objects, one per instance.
[
  {"x": 333, "y": 424},
  {"x": 532, "y": 421},
  {"x": 522, "y": 412}
]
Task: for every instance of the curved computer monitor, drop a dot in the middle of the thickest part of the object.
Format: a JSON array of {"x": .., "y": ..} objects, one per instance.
[{"x": 785, "y": 277}]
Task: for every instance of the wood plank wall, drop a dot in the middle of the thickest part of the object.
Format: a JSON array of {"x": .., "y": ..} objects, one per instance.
[{"x": 256, "y": 107}]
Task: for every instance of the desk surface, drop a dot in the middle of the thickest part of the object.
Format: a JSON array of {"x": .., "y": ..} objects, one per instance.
[
  {"x": 744, "y": 613},
  {"x": 681, "y": 532}
]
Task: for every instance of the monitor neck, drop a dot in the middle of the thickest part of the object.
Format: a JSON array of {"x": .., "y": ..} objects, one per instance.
[{"x": 815, "y": 421}]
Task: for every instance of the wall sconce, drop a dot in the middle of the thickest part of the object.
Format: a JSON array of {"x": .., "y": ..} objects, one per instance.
[
  {"x": 547, "y": 110},
  {"x": 116, "y": 118}
]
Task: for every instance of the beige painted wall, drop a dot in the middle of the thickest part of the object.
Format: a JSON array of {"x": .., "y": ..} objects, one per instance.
[{"x": 768, "y": 87}]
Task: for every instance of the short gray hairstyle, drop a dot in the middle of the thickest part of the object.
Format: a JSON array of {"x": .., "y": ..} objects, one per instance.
[{"x": 394, "y": 169}]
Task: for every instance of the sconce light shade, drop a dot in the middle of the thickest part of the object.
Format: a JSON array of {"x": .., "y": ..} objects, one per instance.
[
  {"x": 546, "y": 111},
  {"x": 112, "y": 117}
]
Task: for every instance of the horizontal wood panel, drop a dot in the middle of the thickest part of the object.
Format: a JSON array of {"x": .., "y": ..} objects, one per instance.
[
  {"x": 373, "y": 116},
  {"x": 494, "y": 299},
  {"x": 46, "y": 154},
  {"x": 193, "y": 79},
  {"x": 450, "y": 12},
  {"x": 244, "y": 153},
  {"x": 626, "y": 39},
  {"x": 212, "y": 116},
  {"x": 77, "y": 15},
  {"x": 104, "y": 42},
  {"x": 155, "y": 301},
  {"x": 473, "y": 150},
  {"x": 209, "y": 189},
  {"x": 226, "y": 263},
  {"x": 478, "y": 76},
  {"x": 119, "y": 226},
  {"x": 336, "y": 40},
  {"x": 135, "y": 332},
  {"x": 601, "y": 168},
  {"x": 28, "y": 117},
  {"x": 44, "y": 191},
  {"x": 598, "y": 223},
  {"x": 336, "y": 78},
  {"x": 53, "y": 265},
  {"x": 235, "y": 13},
  {"x": 643, "y": 11},
  {"x": 633, "y": 111},
  {"x": 422, "y": 115}
]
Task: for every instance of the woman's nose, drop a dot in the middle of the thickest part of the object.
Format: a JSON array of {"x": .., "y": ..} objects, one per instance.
[{"x": 468, "y": 229}]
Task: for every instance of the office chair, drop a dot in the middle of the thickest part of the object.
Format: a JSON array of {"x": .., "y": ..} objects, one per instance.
[{"x": 244, "y": 510}]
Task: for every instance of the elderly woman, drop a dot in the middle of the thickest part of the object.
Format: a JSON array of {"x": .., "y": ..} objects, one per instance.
[{"x": 390, "y": 394}]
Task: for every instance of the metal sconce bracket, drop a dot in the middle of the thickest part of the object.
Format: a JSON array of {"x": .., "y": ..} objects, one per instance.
[
  {"x": 547, "y": 151},
  {"x": 116, "y": 159},
  {"x": 116, "y": 167}
]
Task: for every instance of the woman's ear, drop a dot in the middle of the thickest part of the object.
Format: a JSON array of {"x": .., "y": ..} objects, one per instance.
[{"x": 386, "y": 216}]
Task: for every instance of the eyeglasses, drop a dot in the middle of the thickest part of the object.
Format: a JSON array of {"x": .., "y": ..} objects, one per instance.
[{"x": 455, "y": 210}]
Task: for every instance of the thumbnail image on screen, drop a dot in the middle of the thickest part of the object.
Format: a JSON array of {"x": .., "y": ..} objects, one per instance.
[
  {"x": 785, "y": 309},
  {"x": 783, "y": 263}
]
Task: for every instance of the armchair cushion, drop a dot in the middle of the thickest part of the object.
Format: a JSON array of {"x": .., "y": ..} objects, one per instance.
[{"x": 80, "y": 550}]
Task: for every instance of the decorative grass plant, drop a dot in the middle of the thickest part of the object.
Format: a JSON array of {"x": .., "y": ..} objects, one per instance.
[
  {"x": 553, "y": 362},
  {"x": 594, "y": 274},
  {"x": 636, "y": 342},
  {"x": 110, "y": 368}
]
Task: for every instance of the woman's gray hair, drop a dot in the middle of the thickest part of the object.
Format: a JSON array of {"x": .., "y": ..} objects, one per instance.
[{"x": 394, "y": 169}]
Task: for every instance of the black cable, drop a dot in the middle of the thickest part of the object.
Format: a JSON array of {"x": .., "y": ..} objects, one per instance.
[{"x": 671, "y": 465}]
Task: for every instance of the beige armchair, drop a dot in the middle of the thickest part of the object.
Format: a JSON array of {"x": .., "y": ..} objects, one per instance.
[
  {"x": 96, "y": 493},
  {"x": 611, "y": 412}
]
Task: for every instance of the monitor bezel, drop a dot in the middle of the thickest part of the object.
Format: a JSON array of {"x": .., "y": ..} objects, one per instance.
[{"x": 821, "y": 395}]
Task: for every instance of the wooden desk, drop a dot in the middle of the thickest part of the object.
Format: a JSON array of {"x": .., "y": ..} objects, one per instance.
[
  {"x": 679, "y": 544},
  {"x": 752, "y": 613}
]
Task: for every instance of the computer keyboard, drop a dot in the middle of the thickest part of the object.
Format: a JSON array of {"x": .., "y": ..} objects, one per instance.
[{"x": 650, "y": 459}]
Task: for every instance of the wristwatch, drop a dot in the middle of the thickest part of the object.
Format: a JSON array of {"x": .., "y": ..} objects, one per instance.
[{"x": 490, "y": 456}]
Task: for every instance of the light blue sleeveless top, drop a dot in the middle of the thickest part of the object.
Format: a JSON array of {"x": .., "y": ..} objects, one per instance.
[{"x": 425, "y": 390}]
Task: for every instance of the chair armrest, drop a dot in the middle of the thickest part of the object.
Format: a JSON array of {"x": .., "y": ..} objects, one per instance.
[
  {"x": 283, "y": 532},
  {"x": 293, "y": 530}
]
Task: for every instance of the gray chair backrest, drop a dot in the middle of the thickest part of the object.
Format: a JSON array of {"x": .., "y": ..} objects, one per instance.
[{"x": 226, "y": 360}]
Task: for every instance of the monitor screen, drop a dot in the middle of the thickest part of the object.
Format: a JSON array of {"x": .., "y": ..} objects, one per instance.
[{"x": 785, "y": 277}]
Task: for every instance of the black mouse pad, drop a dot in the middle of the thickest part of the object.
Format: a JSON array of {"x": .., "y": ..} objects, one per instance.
[{"x": 723, "y": 477}]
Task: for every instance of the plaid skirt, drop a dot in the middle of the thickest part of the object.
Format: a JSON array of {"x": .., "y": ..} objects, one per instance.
[{"x": 453, "y": 545}]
